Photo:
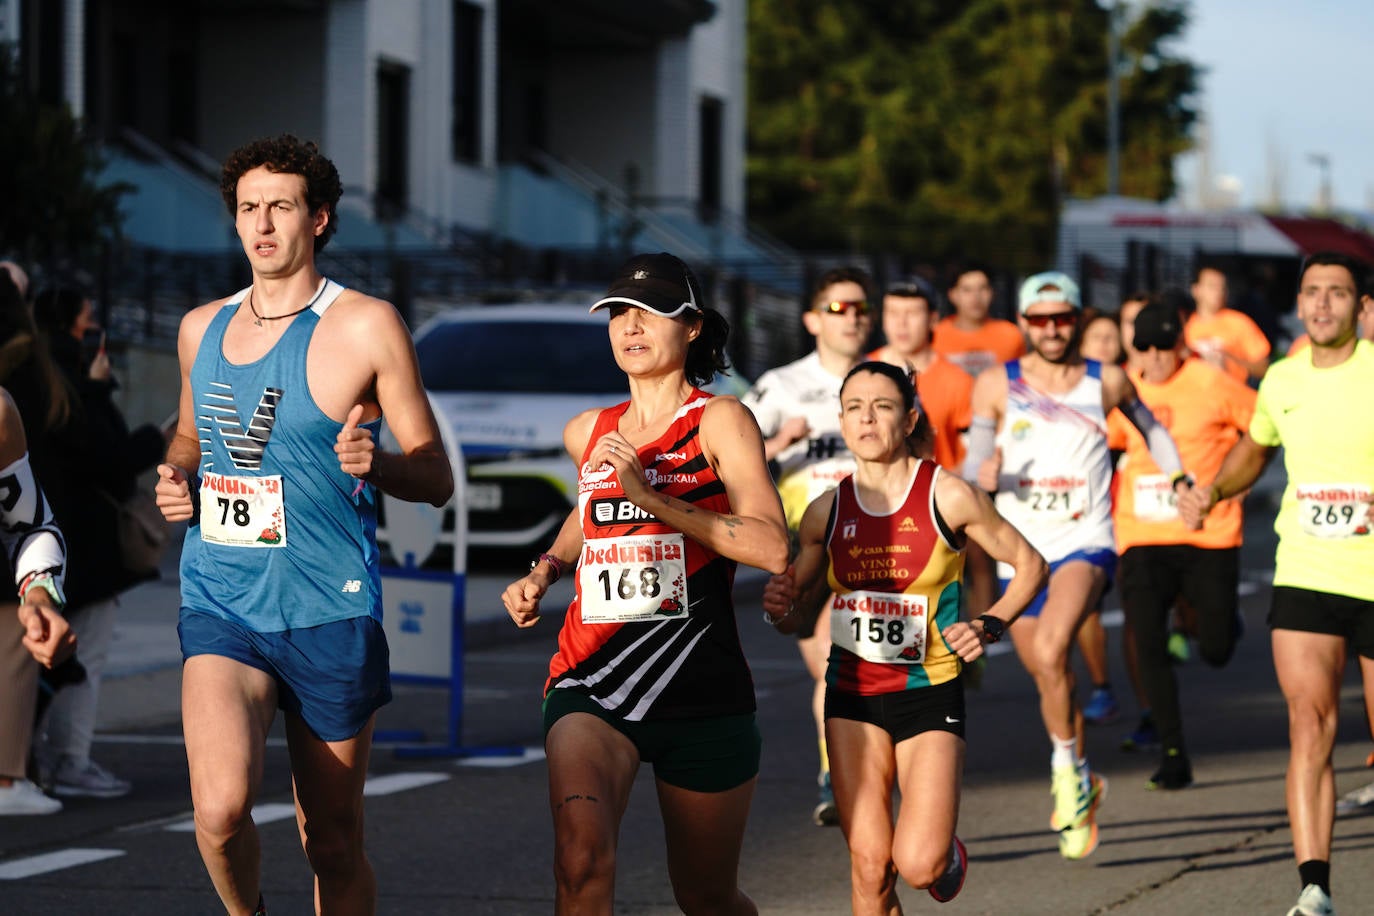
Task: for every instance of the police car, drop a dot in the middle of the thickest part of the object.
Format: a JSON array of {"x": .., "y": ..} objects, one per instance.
[{"x": 508, "y": 378}]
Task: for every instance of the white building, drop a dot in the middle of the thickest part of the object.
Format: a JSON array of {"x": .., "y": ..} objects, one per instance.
[{"x": 561, "y": 123}]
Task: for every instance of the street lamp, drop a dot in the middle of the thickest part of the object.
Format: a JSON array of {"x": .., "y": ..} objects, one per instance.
[
  {"x": 1113, "y": 99},
  {"x": 1323, "y": 163}
]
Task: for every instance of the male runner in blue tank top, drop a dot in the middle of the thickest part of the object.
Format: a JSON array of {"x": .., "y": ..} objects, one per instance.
[{"x": 276, "y": 467}]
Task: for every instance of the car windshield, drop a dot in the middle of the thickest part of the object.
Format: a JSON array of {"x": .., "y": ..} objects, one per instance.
[{"x": 519, "y": 357}]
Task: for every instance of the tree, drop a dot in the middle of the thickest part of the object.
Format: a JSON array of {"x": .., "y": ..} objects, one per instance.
[
  {"x": 942, "y": 129},
  {"x": 55, "y": 208}
]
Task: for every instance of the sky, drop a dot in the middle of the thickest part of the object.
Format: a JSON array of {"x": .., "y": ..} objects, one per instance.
[{"x": 1285, "y": 80}]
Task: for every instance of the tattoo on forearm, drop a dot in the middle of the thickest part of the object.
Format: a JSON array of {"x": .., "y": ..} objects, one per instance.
[
  {"x": 686, "y": 507},
  {"x": 731, "y": 523}
]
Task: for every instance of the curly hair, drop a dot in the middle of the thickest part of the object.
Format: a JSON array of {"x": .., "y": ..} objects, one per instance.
[{"x": 287, "y": 155}]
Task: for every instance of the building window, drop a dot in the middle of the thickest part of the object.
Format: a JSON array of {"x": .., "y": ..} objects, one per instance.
[
  {"x": 710, "y": 127},
  {"x": 467, "y": 82},
  {"x": 393, "y": 139}
]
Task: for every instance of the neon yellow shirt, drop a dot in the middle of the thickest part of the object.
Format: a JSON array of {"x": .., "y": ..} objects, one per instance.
[{"x": 1322, "y": 420}]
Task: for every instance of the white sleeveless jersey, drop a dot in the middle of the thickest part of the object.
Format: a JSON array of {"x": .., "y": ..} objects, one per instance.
[
  {"x": 810, "y": 466},
  {"x": 1055, "y": 483}
]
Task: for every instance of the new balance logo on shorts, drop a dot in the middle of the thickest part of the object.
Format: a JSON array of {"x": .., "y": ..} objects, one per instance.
[{"x": 352, "y": 586}]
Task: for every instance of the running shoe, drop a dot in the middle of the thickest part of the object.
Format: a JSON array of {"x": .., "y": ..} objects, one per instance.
[
  {"x": 1145, "y": 735},
  {"x": 825, "y": 813},
  {"x": 23, "y": 797},
  {"x": 1357, "y": 800},
  {"x": 89, "y": 780},
  {"x": 1102, "y": 708},
  {"x": 948, "y": 885},
  {"x": 1313, "y": 901},
  {"x": 1175, "y": 772},
  {"x": 1178, "y": 647},
  {"x": 1077, "y": 793}
]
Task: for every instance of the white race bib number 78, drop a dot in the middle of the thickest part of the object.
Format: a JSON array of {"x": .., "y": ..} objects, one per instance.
[{"x": 242, "y": 511}]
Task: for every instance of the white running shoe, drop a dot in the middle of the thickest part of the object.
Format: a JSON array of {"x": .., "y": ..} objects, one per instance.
[
  {"x": 23, "y": 797},
  {"x": 1355, "y": 800},
  {"x": 1313, "y": 901},
  {"x": 89, "y": 780}
]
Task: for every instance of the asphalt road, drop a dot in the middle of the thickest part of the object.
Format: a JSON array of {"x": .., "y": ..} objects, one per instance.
[{"x": 473, "y": 836}]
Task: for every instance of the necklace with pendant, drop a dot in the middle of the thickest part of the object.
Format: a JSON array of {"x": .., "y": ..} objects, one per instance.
[{"x": 259, "y": 319}]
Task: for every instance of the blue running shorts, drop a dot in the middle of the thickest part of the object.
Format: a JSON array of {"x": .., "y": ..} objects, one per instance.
[
  {"x": 334, "y": 676},
  {"x": 1103, "y": 557}
]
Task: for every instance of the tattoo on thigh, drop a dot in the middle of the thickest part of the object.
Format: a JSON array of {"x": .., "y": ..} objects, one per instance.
[{"x": 575, "y": 797}]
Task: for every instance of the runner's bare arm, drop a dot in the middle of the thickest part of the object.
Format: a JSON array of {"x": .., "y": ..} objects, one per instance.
[
  {"x": 794, "y": 598},
  {"x": 967, "y": 508},
  {"x": 753, "y": 532},
  {"x": 420, "y": 471},
  {"x": 174, "y": 475},
  {"x": 522, "y": 597},
  {"x": 1239, "y": 470}
]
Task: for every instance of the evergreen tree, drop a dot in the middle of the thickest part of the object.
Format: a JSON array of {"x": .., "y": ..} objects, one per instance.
[
  {"x": 54, "y": 208},
  {"x": 943, "y": 129}
]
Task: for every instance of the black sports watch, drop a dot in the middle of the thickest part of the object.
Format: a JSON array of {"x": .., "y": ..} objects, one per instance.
[{"x": 993, "y": 627}]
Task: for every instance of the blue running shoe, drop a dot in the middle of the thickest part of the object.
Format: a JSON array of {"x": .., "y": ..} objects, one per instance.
[
  {"x": 825, "y": 814},
  {"x": 1144, "y": 737},
  {"x": 1102, "y": 708}
]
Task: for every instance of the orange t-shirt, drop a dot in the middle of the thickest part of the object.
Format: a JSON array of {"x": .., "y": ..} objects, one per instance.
[
  {"x": 997, "y": 341},
  {"x": 1205, "y": 410},
  {"x": 1231, "y": 331},
  {"x": 946, "y": 394}
]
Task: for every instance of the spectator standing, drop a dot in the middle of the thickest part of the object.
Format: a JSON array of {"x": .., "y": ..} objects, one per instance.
[
  {"x": 99, "y": 475},
  {"x": 33, "y": 631}
]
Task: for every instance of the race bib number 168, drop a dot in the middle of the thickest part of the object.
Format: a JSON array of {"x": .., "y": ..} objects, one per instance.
[{"x": 633, "y": 578}]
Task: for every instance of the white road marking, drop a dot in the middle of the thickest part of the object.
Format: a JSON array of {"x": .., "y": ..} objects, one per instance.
[
  {"x": 54, "y": 861},
  {"x": 530, "y": 756},
  {"x": 262, "y": 814},
  {"x": 400, "y": 782}
]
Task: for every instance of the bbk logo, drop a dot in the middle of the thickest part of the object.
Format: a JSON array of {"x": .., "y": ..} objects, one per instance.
[{"x": 618, "y": 512}]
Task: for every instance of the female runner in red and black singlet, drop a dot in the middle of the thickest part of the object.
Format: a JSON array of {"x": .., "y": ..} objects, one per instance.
[
  {"x": 673, "y": 491},
  {"x": 885, "y": 549}
]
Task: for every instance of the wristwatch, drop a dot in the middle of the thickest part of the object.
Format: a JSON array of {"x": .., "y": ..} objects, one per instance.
[{"x": 993, "y": 627}]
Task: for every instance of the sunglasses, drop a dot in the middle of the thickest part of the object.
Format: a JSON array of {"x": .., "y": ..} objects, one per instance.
[
  {"x": 843, "y": 306},
  {"x": 1058, "y": 319}
]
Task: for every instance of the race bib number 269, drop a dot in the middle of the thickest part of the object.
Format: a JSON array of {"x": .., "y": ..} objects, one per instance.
[{"x": 1334, "y": 510}]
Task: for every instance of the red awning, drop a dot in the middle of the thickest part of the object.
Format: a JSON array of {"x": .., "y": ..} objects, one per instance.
[{"x": 1311, "y": 235}]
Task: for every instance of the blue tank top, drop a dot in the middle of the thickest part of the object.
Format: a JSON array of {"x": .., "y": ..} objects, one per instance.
[{"x": 280, "y": 541}]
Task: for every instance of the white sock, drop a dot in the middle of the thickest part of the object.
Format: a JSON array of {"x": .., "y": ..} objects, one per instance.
[{"x": 1065, "y": 752}]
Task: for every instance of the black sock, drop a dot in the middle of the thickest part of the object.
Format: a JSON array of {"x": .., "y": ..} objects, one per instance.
[{"x": 1316, "y": 871}]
